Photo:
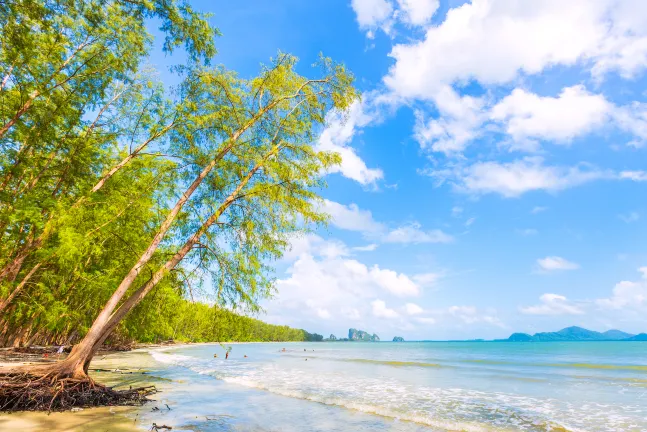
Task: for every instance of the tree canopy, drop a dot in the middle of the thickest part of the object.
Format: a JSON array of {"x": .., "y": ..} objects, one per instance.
[{"x": 130, "y": 206}]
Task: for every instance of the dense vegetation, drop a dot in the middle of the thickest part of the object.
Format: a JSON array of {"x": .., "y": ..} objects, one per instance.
[{"x": 122, "y": 201}]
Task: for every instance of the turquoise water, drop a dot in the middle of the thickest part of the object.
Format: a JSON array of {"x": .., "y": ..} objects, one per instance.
[{"x": 412, "y": 386}]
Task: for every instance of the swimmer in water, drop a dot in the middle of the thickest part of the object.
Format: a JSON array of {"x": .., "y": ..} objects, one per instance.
[
  {"x": 226, "y": 355},
  {"x": 215, "y": 356}
]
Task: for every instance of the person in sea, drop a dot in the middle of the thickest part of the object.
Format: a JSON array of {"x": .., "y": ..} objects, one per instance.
[
  {"x": 215, "y": 356},
  {"x": 226, "y": 355}
]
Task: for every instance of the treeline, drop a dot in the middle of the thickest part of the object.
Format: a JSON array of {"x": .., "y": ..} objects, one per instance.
[
  {"x": 122, "y": 200},
  {"x": 167, "y": 315},
  {"x": 198, "y": 322}
]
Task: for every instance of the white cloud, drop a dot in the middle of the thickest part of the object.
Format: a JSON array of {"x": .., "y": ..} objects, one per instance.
[
  {"x": 513, "y": 179},
  {"x": 381, "y": 311},
  {"x": 470, "y": 221},
  {"x": 573, "y": 113},
  {"x": 630, "y": 217},
  {"x": 413, "y": 309},
  {"x": 460, "y": 121},
  {"x": 638, "y": 176},
  {"x": 633, "y": 119},
  {"x": 457, "y": 211},
  {"x": 351, "y": 217},
  {"x": 493, "y": 42},
  {"x": 628, "y": 295},
  {"x": 373, "y": 13},
  {"x": 496, "y": 43},
  {"x": 426, "y": 320},
  {"x": 323, "y": 313},
  {"x": 312, "y": 244},
  {"x": 527, "y": 232},
  {"x": 368, "y": 248},
  {"x": 552, "y": 263},
  {"x": 397, "y": 284},
  {"x": 471, "y": 315},
  {"x": 334, "y": 288},
  {"x": 417, "y": 12},
  {"x": 538, "y": 209},
  {"x": 413, "y": 234},
  {"x": 553, "y": 304},
  {"x": 336, "y": 137}
]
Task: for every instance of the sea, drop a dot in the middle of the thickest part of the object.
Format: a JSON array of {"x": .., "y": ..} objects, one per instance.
[{"x": 403, "y": 386}]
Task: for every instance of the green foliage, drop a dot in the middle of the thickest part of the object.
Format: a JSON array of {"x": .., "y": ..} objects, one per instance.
[
  {"x": 166, "y": 314},
  {"x": 94, "y": 154}
]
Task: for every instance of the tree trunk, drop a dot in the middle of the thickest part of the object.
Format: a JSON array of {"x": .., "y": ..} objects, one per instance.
[{"x": 77, "y": 363}]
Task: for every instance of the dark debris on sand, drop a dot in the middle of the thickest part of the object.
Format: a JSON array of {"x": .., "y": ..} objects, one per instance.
[{"x": 25, "y": 392}]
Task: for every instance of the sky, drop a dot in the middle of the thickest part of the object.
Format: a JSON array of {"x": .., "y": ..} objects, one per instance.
[{"x": 494, "y": 174}]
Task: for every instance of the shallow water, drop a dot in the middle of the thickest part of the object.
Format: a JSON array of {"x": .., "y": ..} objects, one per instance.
[{"x": 411, "y": 386}]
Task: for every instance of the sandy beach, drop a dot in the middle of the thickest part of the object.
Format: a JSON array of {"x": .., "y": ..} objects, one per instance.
[{"x": 125, "y": 369}]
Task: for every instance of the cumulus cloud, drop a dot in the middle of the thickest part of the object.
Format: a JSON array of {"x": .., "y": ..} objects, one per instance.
[
  {"x": 553, "y": 304},
  {"x": 417, "y": 12},
  {"x": 336, "y": 288},
  {"x": 413, "y": 309},
  {"x": 380, "y": 310},
  {"x": 313, "y": 244},
  {"x": 413, "y": 234},
  {"x": 383, "y": 14},
  {"x": 337, "y": 136},
  {"x": 573, "y": 113},
  {"x": 494, "y": 42},
  {"x": 373, "y": 13},
  {"x": 628, "y": 294},
  {"x": 351, "y": 217},
  {"x": 552, "y": 263},
  {"x": 458, "y": 124}
]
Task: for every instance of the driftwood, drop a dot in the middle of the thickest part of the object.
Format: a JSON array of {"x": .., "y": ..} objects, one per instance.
[{"x": 157, "y": 428}]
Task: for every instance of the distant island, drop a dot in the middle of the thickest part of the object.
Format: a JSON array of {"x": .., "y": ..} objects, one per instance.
[
  {"x": 354, "y": 335},
  {"x": 567, "y": 334},
  {"x": 575, "y": 333}
]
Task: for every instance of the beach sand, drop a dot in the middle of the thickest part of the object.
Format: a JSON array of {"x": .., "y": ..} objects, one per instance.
[{"x": 130, "y": 367}]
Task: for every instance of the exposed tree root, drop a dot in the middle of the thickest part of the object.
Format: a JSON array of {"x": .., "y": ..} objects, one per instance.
[{"x": 29, "y": 392}]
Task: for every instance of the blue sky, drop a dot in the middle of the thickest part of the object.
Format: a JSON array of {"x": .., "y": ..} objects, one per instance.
[{"x": 493, "y": 177}]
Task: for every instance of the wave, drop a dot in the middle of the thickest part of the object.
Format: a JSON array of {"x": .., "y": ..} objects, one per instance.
[{"x": 443, "y": 409}]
